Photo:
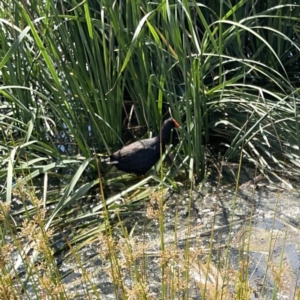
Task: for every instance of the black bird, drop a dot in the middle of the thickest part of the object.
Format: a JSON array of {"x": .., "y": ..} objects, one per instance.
[{"x": 140, "y": 156}]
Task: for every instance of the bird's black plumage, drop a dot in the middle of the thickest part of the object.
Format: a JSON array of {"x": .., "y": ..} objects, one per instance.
[{"x": 140, "y": 156}]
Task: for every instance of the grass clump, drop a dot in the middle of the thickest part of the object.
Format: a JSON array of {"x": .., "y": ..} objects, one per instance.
[{"x": 81, "y": 77}]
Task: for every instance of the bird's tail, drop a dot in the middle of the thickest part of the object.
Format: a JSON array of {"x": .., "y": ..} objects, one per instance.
[{"x": 108, "y": 161}]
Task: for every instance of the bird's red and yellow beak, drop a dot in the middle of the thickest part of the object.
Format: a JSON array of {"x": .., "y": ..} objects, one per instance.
[{"x": 176, "y": 123}]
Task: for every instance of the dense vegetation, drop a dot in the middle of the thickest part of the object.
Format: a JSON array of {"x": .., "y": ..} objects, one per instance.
[{"x": 79, "y": 76}]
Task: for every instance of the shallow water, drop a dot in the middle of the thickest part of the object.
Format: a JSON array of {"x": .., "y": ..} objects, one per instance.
[{"x": 255, "y": 229}]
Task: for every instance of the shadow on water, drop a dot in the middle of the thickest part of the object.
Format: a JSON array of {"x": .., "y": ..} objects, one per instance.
[{"x": 253, "y": 233}]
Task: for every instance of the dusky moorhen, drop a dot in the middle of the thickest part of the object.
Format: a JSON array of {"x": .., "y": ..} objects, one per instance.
[{"x": 140, "y": 156}]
